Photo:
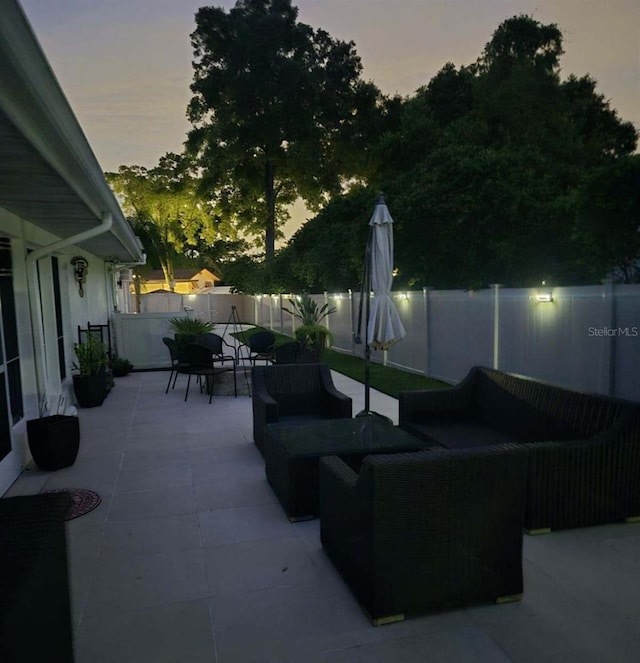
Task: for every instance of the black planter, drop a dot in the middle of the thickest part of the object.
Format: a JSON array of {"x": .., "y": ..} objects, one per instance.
[
  {"x": 54, "y": 441},
  {"x": 90, "y": 390}
]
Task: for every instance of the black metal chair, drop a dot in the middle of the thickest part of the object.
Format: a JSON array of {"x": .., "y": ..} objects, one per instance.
[
  {"x": 261, "y": 346},
  {"x": 201, "y": 364},
  {"x": 287, "y": 353},
  {"x": 179, "y": 364},
  {"x": 294, "y": 393},
  {"x": 217, "y": 345}
]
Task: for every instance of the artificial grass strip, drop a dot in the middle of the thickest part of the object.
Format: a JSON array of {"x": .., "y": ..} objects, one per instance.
[{"x": 386, "y": 379}]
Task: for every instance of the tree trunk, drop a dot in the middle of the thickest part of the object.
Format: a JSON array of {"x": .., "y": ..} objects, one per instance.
[{"x": 270, "y": 197}]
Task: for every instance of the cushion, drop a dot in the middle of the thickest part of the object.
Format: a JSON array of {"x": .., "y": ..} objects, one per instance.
[{"x": 459, "y": 434}]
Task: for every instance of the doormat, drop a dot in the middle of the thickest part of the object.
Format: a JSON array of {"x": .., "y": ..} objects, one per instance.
[{"x": 84, "y": 501}]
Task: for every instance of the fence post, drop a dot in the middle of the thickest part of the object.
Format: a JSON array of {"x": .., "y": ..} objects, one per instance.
[
  {"x": 427, "y": 335},
  {"x": 609, "y": 296},
  {"x": 496, "y": 323},
  {"x": 326, "y": 302},
  {"x": 353, "y": 331}
]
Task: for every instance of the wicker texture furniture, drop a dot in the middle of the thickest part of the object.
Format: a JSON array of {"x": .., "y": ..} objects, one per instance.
[
  {"x": 35, "y": 613},
  {"x": 179, "y": 364},
  {"x": 261, "y": 346},
  {"x": 292, "y": 454},
  {"x": 585, "y": 448},
  {"x": 294, "y": 393},
  {"x": 426, "y": 530}
]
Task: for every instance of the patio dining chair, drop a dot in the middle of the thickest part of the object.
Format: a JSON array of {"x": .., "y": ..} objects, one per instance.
[
  {"x": 200, "y": 363},
  {"x": 287, "y": 353},
  {"x": 179, "y": 363},
  {"x": 218, "y": 346},
  {"x": 261, "y": 347}
]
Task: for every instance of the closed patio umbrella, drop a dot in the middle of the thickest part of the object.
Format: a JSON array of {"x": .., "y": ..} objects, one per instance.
[{"x": 383, "y": 324}]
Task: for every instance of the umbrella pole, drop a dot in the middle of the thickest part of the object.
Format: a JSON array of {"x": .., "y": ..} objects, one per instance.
[{"x": 367, "y": 347}]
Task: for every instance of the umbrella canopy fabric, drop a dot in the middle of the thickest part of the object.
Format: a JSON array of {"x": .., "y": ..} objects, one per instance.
[{"x": 384, "y": 326}]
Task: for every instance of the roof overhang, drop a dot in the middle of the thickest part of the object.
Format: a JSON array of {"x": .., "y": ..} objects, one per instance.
[{"x": 49, "y": 175}]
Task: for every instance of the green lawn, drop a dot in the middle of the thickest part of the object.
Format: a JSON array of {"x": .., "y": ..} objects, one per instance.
[{"x": 388, "y": 380}]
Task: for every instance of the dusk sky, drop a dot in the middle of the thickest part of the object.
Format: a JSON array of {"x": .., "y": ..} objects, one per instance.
[{"x": 125, "y": 65}]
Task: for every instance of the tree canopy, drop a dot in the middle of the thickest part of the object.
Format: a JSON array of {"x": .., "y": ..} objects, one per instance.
[
  {"x": 279, "y": 111},
  {"x": 494, "y": 172},
  {"x": 167, "y": 210}
]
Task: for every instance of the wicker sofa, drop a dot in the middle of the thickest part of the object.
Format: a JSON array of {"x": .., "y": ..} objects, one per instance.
[
  {"x": 585, "y": 448},
  {"x": 426, "y": 530},
  {"x": 35, "y": 612},
  {"x": 294, "y": 393}
]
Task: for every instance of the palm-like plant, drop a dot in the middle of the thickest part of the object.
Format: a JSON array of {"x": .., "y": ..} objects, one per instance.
[
  {"x": 311, "y": 333},
  {"x": 306, "y": 310}
]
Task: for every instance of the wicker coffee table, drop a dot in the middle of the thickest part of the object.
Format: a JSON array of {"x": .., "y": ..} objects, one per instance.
[{"x": 292, "y": 452}]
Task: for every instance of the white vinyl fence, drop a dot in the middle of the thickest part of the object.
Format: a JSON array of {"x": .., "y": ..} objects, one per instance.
[{"x": 586, "y": 338}]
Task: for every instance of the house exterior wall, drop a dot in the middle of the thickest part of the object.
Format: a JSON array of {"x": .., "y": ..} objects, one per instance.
[{"x": 36, "y": 325}]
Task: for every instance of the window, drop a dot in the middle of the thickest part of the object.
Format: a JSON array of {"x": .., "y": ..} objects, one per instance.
[
  {"x": 10, "y": 379},
  {"x": 59, "y": 326}
]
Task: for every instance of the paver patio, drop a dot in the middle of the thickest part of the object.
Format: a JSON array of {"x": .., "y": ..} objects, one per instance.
[{"x": 190, "y": 557}]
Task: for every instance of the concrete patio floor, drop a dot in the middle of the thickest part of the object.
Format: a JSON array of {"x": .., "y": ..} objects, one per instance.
[{"x": 189, "y": 558}]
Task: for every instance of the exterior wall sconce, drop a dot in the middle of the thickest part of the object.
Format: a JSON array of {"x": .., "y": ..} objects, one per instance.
[
  {"x": 80, "y": 269},
  {"x": 544, "y": 297}
]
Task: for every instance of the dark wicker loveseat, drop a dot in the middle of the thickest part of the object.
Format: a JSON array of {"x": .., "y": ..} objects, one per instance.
[
  {"x": 426, "y": 530},
  {"x": 294, "y": 393},
  {"x": 585, "y": 448},
  {"x": 35, "y": 611}
]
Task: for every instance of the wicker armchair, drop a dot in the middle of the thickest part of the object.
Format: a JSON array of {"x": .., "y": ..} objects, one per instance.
[
  {"x": 426, "y": 530},
  {"x": 295, "y": 393},
  {"x": 35, "y": 612}
]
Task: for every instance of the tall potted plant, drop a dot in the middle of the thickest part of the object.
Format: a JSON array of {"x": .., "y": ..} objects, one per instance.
[
  {"x": 312, "y": 336},
  {"x": 186, "y": 330},
  {"x": 90, "y": 383}
]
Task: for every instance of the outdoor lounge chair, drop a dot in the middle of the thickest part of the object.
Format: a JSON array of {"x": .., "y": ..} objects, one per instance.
[
  {"x": 426, "y": 530},
  {"x": 294, "y": 393}
]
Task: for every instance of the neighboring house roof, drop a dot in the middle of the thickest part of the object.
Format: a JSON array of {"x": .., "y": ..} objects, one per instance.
[
  {"x": 48, "y": 172},
  {"x": 182, "y": 275}
]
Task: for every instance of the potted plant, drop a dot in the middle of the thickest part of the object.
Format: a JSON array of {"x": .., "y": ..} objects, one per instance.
[
  {"x": 120, "y": 366},
  {"x": 312, "y": 336},
  {"x": 54, "y": 440},
  {"x": 91, "y": 382},
  {"x": 187, "y": 329}
]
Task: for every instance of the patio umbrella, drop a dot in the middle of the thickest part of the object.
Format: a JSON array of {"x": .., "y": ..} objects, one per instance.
[{"x": 383, "y": 324}]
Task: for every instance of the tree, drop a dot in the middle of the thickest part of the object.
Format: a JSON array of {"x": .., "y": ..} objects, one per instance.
[
  {"x": 608, "y": 220},
  {"x": 166, "y": 209},
  {"x": 275, "y": 105}
]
